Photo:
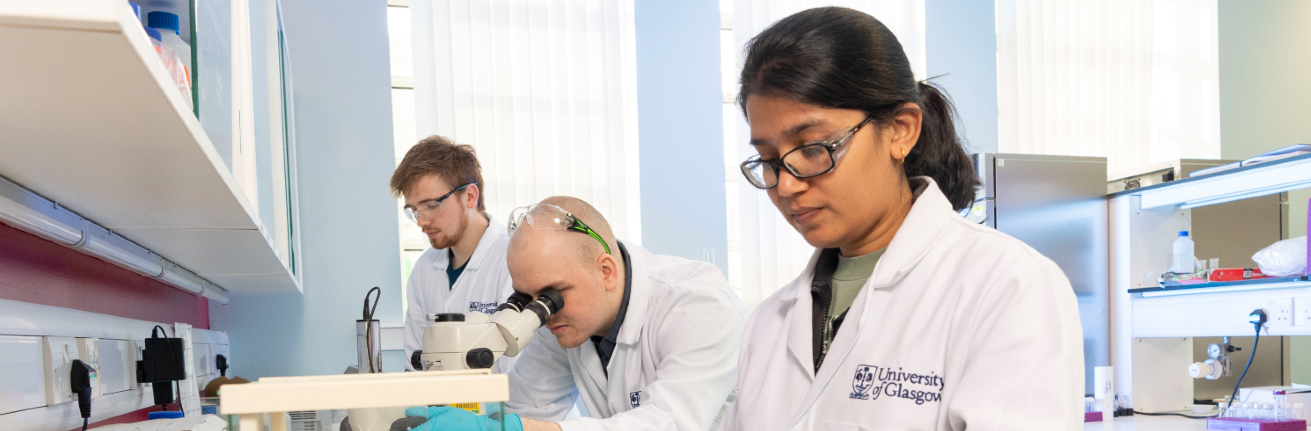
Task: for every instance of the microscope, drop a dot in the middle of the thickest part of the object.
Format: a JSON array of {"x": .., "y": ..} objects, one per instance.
[{"x": 457, "y": 341}]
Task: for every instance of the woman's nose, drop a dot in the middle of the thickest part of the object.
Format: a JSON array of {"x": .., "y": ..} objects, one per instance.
[{"x": 789, "y": 185}]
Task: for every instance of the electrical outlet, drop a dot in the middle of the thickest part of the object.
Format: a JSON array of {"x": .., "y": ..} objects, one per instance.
[
  {"x": 58, "y": 354},
  {"x": 1302, "y": 311},
  {"x": 1279, "y": 311},
  {"x": 22, "y": 383},
  {"x": 118, "y": 366},
  {"x": 203, "y": 364},
  {"x": 88, "y": 350}
]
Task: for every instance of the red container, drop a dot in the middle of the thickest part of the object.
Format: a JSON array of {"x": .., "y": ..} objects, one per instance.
[{"x": 1235, "y": 274}]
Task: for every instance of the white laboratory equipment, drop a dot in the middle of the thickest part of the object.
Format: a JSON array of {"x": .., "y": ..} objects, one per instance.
[
  {"x": 475, "y": 340},
  {"x": 382, "y": 395},
  {"x": 1157, "y": 333},
  {"x": 1057, "y": 205}
]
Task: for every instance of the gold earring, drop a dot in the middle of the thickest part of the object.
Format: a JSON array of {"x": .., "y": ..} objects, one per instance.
[{"x": 903, "y": 156}]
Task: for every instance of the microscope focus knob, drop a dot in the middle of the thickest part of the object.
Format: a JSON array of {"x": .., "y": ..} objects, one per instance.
[
  {"x": 481, "y": 357},
  {"x": 416, "y": 360}
]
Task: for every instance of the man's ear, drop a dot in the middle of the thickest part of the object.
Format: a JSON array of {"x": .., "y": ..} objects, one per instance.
[
  {"x": 609, "y": 271},
  {"x": 471, "y": 195}
]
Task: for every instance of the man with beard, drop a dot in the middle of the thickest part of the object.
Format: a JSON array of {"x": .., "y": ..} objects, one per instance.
[{"x": 465, "y": 270}]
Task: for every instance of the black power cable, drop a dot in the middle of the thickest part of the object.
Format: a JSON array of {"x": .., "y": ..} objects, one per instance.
[
  {"x": 1258, "y": 319},
  {"x": 79, "y": 380},
  {"x": 1174, "y": 414},
  {"x": 368, "y": 324}
]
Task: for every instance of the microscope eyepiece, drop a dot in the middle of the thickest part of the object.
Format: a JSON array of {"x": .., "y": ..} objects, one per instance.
[
  {"x": 547, "y": 303},
  {"x": 515, "y": 302}
]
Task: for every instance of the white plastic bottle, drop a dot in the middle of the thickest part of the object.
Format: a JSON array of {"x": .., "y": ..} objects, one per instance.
[
  {"x": 1183, "y": 252},
  {"x": 167, "y": 24}
]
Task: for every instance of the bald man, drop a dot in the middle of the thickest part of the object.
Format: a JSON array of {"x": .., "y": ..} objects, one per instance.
[{"x": 647, "y": 342}]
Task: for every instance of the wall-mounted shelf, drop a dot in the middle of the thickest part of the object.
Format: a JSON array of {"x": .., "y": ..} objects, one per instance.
[
  {"x": 1226, "y": 186},
  {"x": 90, "y": 119},
  {"x": 1231, "y": 286}
]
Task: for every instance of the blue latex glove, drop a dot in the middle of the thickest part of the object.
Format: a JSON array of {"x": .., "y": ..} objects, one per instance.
[{"x": 458, "y": 419}]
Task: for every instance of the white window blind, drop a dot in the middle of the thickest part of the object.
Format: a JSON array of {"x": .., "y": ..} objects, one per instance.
[
  {"x": 765, "y": 252},
  {"x": 1135, "y": 81},
  {"x": 544, "y": 90}
]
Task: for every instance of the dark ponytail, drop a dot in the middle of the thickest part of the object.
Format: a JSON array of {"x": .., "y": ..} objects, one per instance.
[
  {"x": 939, "y": 154},
  {"x": 842, "y": 58}
]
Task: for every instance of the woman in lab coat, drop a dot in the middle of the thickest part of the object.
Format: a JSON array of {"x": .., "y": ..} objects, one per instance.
[{"x": 907, "y": 317}]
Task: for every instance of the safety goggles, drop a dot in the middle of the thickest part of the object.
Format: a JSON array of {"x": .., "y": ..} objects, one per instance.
[
  {"x": 429, "y": 208},
  {"x": 550, "y": 217}
]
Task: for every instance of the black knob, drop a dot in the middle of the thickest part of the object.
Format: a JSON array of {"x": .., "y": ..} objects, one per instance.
[
  {"x": 416, "y": 361},
  {"x": 446, "y": 317},
  {"x": 481, "y": 357}
]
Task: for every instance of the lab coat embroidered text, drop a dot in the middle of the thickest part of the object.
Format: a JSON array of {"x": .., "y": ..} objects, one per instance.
[{"x": 895, "y": 383}]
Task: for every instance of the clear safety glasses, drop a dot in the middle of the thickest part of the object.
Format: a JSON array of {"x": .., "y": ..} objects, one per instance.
[
  {"x": 550, "y": 217},
  {"x": 427, "y": 209},
  {"x": 807, "y": 161}
]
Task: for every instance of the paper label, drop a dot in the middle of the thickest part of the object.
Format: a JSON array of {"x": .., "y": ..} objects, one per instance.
[{"x": 190, "y": 395}]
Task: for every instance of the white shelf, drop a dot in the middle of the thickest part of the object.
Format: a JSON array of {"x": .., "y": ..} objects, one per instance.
[
  {"x": 1240, "y": 183},
  {"x": 1225, "y": 313},
  {"x": 90, "y": 119}
]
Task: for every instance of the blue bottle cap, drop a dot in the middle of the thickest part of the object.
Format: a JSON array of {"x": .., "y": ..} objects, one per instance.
[
  {"x": 1183, "y": 233},
  {"x": 162, "y": 20},
  {"x": 136, "y": 9},
  {"x": 171, "y": 414},
  {"x": 154, "y": 34}
]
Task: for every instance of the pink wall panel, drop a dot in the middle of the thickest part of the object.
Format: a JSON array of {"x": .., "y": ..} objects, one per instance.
[{"x": 38, "y": 271}]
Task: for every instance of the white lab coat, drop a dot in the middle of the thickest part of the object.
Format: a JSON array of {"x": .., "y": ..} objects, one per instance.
[
  {"x": 483, "y": 286},
  {"x": 674, "y": 365},
  {"x": 959, "y": 327}
]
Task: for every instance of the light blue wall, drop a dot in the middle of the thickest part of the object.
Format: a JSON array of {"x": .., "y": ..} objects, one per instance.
[
  {"x": 1265, "y": 97},
  {"x": 680, "y": 129},
  {"x": 961, "y": 44},
  {"x": 348, "y": 223}
]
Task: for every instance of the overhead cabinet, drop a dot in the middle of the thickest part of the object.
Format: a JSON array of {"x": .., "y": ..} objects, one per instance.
[{"x": 92, "y": 119}]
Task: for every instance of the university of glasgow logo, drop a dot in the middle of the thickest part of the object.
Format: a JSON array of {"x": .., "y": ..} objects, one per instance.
[
  {"x": 863, "y": 381},
  {"x": 635, "y": 399},
  {"x": 482, "y": 307}
]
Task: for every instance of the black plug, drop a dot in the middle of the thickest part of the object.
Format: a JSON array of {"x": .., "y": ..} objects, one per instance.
[
  {"x": 80, "y": 382},
  {"x": 221, "y": 362},
  {"x": 1258, "y": 318}
]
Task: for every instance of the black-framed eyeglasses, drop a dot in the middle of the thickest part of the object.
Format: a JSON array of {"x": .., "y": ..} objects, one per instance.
[
  {"x": 807, "y": 161},
  {"x": 428, "y": 208}
]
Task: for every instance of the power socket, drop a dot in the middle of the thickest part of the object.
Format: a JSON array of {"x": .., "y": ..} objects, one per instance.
[
  {"x": 1279, "y": 311},
  {"x": 89, "y": 352},
  {"x": 1302, "y": 311},
  {"x": 58, "y": 354}
]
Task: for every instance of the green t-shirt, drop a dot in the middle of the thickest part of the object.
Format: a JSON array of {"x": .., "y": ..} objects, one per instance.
[{"x": 851, "y": 275}]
